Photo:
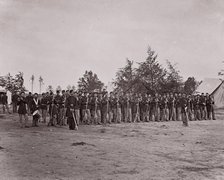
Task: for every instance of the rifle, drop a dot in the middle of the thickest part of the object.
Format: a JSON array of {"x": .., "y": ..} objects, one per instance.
[{"x": 74, "y": 119}]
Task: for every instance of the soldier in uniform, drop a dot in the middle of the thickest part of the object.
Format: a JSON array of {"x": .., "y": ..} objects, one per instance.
[
  {"x": 118, "y": 109},
  {"x": 178, "y": 107},
  {"x": 93, "y": 108},
  {"x": 85, "y": 104},
  {"x": 35, "y": 107},
  {"x": 172, "y": 108},
  {"x": 43, "y": 106},
  {"x": 22, "y": 110},
  {"x": 58, "y": 106},
  {"x": 72, "y": 106},
  {"x": 63, "y": 108},
  {"x": 183, "y": 104},
  {"x": 105, "y": 108},
  {"x": 144, "y": 108},
  {"x": 51, "y": 109},
  {"x": 29, "y": 98},
  {"x": 203, "y": 107},
  {"x": 5, "y": 102},
  {"x": 197, "y": 108},
  {"x": 127, "y": 108}
]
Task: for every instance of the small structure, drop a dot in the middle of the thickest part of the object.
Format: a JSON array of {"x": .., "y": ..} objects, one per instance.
[
  {"x": 9, "y": 94},
  {"x": 214, "y": 87}
]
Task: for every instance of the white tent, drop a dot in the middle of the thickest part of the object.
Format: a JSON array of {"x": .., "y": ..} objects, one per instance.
[
  {"x": 9, "y": 94},
  {"x": 214, "y": 87}
]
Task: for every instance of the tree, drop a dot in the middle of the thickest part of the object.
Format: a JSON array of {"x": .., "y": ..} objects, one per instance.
[
  {"x": 32, "y": 82},
  {"x": 125, "y": 78},
  {"x": 90, "y": 82},
  {"x": 41, "y": 82},
  {"x": 190, "y": 85},
  {"x": 173, "y": 79},
  {"x": 13, "y": 84},
  {"x": 150, "y": 74}
]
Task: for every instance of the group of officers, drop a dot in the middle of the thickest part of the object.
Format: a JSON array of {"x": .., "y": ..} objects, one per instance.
[{"x": 75, "y": 108}]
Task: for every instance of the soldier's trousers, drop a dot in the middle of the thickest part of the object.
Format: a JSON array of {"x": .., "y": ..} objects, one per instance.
[
  {"x": 145, "y": 116},
  {"x": 203, "y": 113},
  {"x": 185, "y": 118},
  {"x": 44, "y": 115},
  {"x": 118, "y": 115},
  {"x": 190, "y": 114},
  {"x": 172, "y": 114},
  {"x": 71, "y": 123},
  {"x": 179, "y": 114},
  {"x": 197, "y": 113},
  {"x": 128, "y": 115},
  {"x": 86, "y": 116}
]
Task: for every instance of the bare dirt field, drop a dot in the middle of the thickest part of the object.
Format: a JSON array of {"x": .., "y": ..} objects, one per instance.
[{"x": 150, "y": 151}]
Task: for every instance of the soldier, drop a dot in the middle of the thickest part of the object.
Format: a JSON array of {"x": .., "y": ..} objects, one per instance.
[
  {"x": 183, "y": 104},
  {"x": 190, "y": 108},
  {"x": 135, "y": 109},
  {"x": 163, "y": 108},
  {"x": 15, "y": 101},
  {"x": 113, "y": 104},
  {"x": 118, "y": 109},
  {"x": 93, "y": 108},
  {"x": 203, "y": 106},
  {"x": 144, "y": 108},
  {"x": 111, "y": 108},
  {"x": 5, "y": 102},
  {"x": 172, "y": 108},
  {"x": 63, "y": 108},
  {"x": 43, "y": 106},
  {"x": 155, "y": 108},
  {"x": 58, "y": 106},
  {"x": 105, "y": 108},
  {"x": 29, "y": 99},
  {"x": 127, "y": 108},
  {"x": 22, "y": 110},
  {"x": 51, "y": 109},
  {"x": 72, "y": 106},
  {"x": 212, "y": 107},
  {"x": 122, "y": 102},
  {"x": 85, "y": 104},
  {"x": 209, "y": 103},
  {"x": 178, "y": 107},
  {"x": 35, "y": 107},
  {"x": 197, "y": 108}
]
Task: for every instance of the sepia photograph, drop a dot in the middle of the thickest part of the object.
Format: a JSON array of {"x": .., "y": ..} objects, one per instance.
[{"x": 111, "y": 89}]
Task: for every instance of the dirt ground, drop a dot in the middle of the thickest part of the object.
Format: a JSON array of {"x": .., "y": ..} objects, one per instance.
[{"x": 150, "y": 151}]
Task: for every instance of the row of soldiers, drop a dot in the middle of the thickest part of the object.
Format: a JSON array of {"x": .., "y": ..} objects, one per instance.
[{"x": 102, "y": 108}]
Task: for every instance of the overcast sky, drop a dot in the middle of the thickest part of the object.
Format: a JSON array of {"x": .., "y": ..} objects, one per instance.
[{"x": 60, "y": 39}]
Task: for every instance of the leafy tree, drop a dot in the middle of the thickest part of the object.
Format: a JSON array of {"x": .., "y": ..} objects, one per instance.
[
  {"x": 190, "y": 85},
  {"x": 150, "y": 73},
  {"x": 125, "y": 78},
  {"x": 13, "y": 84},
  {"x": 173, "y": 79},
  {"x": 90, "y": 82}
]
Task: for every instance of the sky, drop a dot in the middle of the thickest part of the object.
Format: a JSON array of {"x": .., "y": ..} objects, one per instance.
[{"x": 60, "y": 39}]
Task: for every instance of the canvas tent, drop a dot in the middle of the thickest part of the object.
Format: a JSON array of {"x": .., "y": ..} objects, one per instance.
[
  {"x": 214, "y": 87},
  {"x": 9, "y": 94}
]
